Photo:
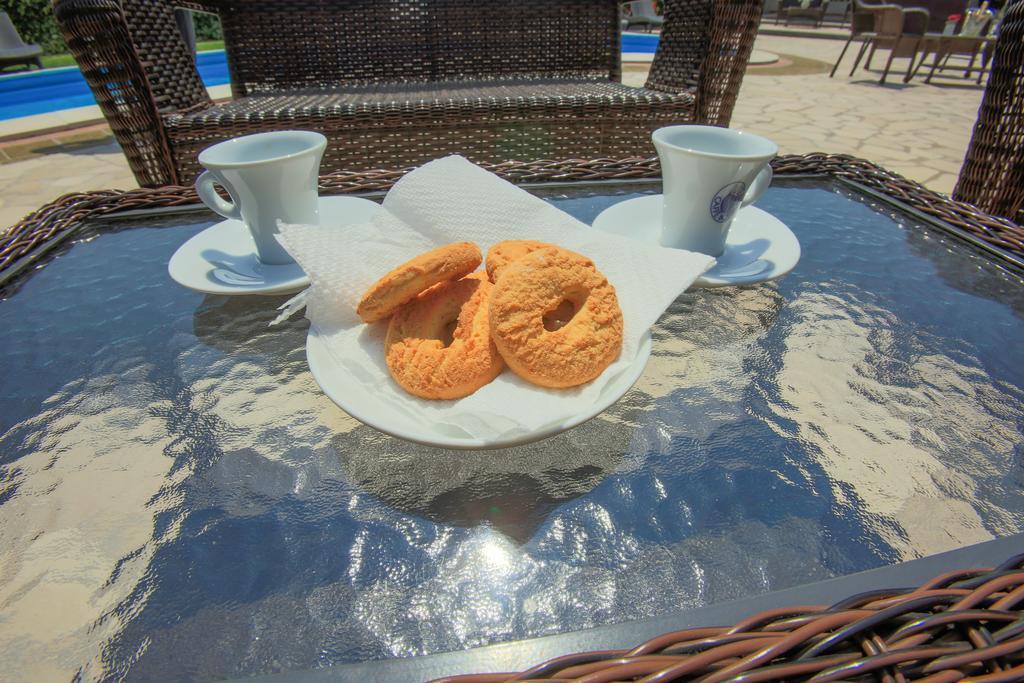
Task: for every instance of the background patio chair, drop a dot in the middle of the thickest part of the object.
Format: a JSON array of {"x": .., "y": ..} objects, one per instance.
[
  {"x": 864, "y": 19},
  {"x": 938, "y": 10},
  {"x": 394, "y": 83},
  {"x": 986, "y": 53},
  {"x": 899, "y": 30},
  {"x": 814, "y": 10},
  {"x": 15, "y": 51},
  {"x": 644, "y": 14},
  {"x": 903, "y": 43},
  {"x": 992, "y": 176},
  {"x": 968, "y": 44},
  {"x": 837, "y": 13},
  {"x": 784, "y": 7}
]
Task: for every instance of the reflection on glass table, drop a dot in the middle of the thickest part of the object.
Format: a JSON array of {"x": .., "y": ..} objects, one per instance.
[{"x": 179, "y": 500}]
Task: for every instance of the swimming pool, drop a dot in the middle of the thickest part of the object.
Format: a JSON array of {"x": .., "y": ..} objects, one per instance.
[
  {"x": 39, "y": 92},
  {"x": 639, "y": 42}
]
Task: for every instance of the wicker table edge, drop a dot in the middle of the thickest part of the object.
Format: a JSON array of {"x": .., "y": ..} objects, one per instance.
[
  {"x": 41, "y": 230},
  {"x": 843, "y": 628}
]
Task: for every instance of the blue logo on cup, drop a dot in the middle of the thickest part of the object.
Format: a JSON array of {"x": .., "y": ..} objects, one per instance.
[{"x": 727, "y": 200}]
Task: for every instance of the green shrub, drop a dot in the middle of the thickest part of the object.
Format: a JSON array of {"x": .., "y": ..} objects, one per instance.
[
  {"x": 35, "y": 23},
  {"x": 207, "y": 26}
]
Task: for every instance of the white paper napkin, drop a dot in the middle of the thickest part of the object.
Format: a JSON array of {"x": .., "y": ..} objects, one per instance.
[{"x": 452, "y": 200}]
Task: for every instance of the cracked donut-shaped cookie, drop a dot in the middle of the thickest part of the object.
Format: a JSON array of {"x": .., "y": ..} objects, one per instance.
[
  {"x": 503, "y": 253},
  {"x": 402, "y": 284},
  {"x": 555, "y": 318},
  {"x": 439, "y": 344}
]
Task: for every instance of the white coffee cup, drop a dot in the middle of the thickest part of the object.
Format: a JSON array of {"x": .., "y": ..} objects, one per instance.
[
  {"x": 708, "y": 174},
  {"x": 270, "y": 177}
]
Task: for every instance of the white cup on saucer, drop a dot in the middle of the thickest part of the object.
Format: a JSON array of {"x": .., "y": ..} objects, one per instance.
[
  {"x": 270, "y": 177},
  {"x": 708, "y": 174}
]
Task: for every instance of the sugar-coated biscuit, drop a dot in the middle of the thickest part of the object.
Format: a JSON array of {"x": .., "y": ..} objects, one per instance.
[
  {"x": 450, "y": 262},
  {"x": 503, "y": 253},
  {"x": 415, "y": 348},
  {"x": 537, "y": 285}
]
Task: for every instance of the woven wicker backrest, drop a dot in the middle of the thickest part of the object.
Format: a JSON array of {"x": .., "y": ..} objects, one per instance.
[
  {"x": 168, "y": 61},
  {"x": 686, "y": 36},
  {"x": 276, "y": 45}
]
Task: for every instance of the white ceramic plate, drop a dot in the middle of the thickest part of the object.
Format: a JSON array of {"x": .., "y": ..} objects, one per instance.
[
  {"x": 376, "y": 410},
  {"x": 759, "y": 247},
  {"x": 222, "y": 258}
]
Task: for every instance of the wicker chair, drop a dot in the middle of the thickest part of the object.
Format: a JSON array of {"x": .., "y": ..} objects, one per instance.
[
  {"x": 888, "y": 27},
  {"x": 814, "y": 10},
  {"x": 397, "y": 82},
  {"x": 836, "y": 12},
  {"x": 864, "y": 23},
  {"x": 992, "y": 176}
]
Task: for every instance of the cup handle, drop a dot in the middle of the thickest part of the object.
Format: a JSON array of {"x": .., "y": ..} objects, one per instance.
[
  {"x": 758, "y": 187},
  {"x": 209, "y": 196}
]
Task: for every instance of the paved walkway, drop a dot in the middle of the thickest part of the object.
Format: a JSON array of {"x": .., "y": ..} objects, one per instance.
[
  {"x": 919, "y": 130},
  {"x": 60, "y": 168}
]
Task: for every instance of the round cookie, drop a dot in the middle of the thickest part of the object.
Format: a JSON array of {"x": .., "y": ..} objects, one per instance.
[
  {"x": 536, "y": 287},
  {"x": 415, "y": 351},
  {"x": 503, "y": 253},
  {"x": 449, "y": 262}
]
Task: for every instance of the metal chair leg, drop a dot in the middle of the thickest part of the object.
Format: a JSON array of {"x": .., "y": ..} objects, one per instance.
[
  {"x": 913, "y": 74},
  {"x": 860, "y": 56},
  {"x": 888, "y": 63},
  {"x": 970, "y": 64},
  {"x": 935, "y": 65},
  {"x": 841, "y": 55},
  {"x": 910, "y": 67},
  {"x": 871, "y": 55}
]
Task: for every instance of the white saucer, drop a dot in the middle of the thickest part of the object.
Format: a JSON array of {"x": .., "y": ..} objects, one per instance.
[
  {"x": 759, "y": 248},
  {"x": 374, "y": 407},
  {"x": 222, "y": 258}
]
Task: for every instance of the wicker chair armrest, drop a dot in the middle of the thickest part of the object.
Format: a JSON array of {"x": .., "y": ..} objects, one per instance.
[
  {"x": 876, "y": 15},
  {"x": 682, "y": 46},
  {"x": 100, "y": 37},
  {"x": 100, "y": 32},
  {"x": 915, "y": 20},
  {"x": 704, "y": 49},
  {"x": 865, "y": 18}
]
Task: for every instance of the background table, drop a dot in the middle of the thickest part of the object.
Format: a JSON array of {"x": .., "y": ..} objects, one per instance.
[{"x": 180, "y": 501}]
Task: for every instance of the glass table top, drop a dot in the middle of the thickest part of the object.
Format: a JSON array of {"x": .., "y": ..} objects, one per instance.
[{"x": 178, "y": 500}]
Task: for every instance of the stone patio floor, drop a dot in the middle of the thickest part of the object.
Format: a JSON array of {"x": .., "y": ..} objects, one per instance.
[{"x": 918, "y": 130}]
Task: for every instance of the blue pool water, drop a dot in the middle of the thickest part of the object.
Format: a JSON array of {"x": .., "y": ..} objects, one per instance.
[
  {"x": 50, "y": 90},
  {"x": 38, "y": 92},
  {"x": 639, "y": 42}
]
